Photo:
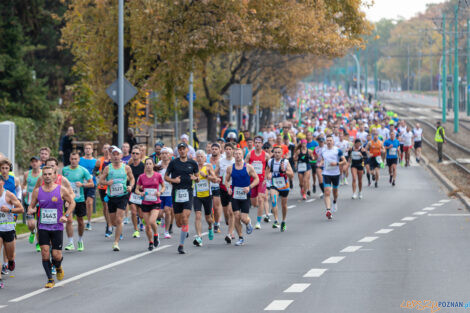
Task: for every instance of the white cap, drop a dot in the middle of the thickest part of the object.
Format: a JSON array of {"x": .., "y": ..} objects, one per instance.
[
  {"x": 184, "y": 136},
  {"x": 116, "y": 149},
  {"x": 167, "y": 149}
]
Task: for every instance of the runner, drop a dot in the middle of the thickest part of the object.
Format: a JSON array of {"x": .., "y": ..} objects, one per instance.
[
  {"x": 116, "y": 176},
  {"x": 417, "y": 138},
  {"x": 148, "y": 187},
  {"x": 318, "y": 150},
  {"x": 375, "y": 149},
  {"x": 215, "y": 187},
  {"x": 29, "y": 181},
  {"x": 238, "y": 184},
  {"x": 407, "y": 144},
  {"x": 135, "y": 201},
  {"x": 181, "y": 172},
  {"x": 89, "y": 162},
  {"x": 203, "y": 197},
  {"x": 357, "y": 154},
  {"x": 343, "y": 145},
  {"x": 44, "y": 155},
  {"x": 79, "y": 178},
  {"x": 126, "y": 156},
  {"x": 257, "y": 158},
  {"x": 401, "y": 131},
  {"x": 302, "y": 157},
  {"x": 392, "y": 146},
  {"x": 220, "y": 171},
  {"x": 100, "y": 165},
  {"x": 51, "y": 198},
  {"x": 279, "y": 174},
  {"x": 311, "y": 145},
  {"x": 331, "y": 158},
  {"x": 165, "y": 197}
]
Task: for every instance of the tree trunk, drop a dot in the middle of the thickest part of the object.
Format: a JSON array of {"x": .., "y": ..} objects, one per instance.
[{"x": 211, "y": 126}]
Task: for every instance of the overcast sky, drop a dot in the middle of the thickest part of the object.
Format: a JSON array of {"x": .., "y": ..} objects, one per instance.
[{"x": 394, "y": 8}]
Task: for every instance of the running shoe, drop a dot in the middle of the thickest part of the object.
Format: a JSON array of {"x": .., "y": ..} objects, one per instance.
[
  {"x": 283, "y": 226},
  {"x": 393, "y": 183},
  {"x": 4, "y": 270},
  {"x": 249, "y": 228},
  {"x": 2, "y": 285},
  {"x": 108, "y": 233},
  {"x": 150, "y": 246},
  {"x": 335, "y": 207},
  {"x": 328, "y": 214},
  {"x": 390, "y": 179},
  {"x": 321, "y": 195},
  {"x": 354, "y": 196},
  {"x": 38, "y": 247},
  {"x": 70, "y": 247},
  {"x": 80, "y": 246},
  {"x": 181, "y": 249},
  {"x": 314, "y": 188},
  {"x": 402, "y": 163},
  {"x": 373, "y": 177},
  {"x": 125, "y": 221},
  {"x": 258, "y": 225},
  {"x": 88, "y": 226},
  {"x": 197, "y": 241},
  {"x": 211, "y": 234},
  {"x": 275, "y": 224},
  {"x": 156, "y": 241},
  {"x": 50, "y": 283},
  {"x": 31, "y": 237},
  {"x": 240, "y": 242},
  {"x": 141, "y": 227},
  {"x": 120, "y": 237},
  {"x": 136, "y": 234},
  {"x": 345, "y": 181},
  {"x": 216, "y": 229},
  {"x": 167, "y": 235},
  {"x": 53, "y": 270},
  {"x": 417, "y": 160},
  {"x": 11, "y": 265},
  {"x": 360, "y": 195},
  {"x": 116, "y": 247},
  {"x": 266, "y": 218},
  {"x": 308, "y": 193},
  {"x": 228, "y": 239},
  {"x": 60, "y": 273},
  {"x": 376, "y": 184},
  {"x": 170, "y": 230},
  {"x": 159, "y": 221},
  {"x": 304, "y": 197}
]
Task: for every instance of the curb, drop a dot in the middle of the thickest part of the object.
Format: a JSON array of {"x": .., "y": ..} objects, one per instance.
[
  {"x": 447, "y": 183},
  {"x": 93, "y": 220}
]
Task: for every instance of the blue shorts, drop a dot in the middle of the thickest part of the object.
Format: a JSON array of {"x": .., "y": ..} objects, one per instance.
[
  {"x": 166, "y": 202},
  {"x": 329, "y": 180},
  {"x": 89, "y": 192}
]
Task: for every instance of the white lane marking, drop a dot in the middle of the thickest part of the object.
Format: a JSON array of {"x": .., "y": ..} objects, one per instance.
[
  {"x": 368, "y": 239},
  {"x": 202, "y": 235},
  {"x": 291, "y": 206},
  {"x": 315, "y": 272},
  {"x": 429, "y": 209},
  {"x": 444, "y": 200},
  {"x": 333, "y": 259},
  {"x": 420, "y": 213},
  {"x": 278, "y": 305},
  {"x": 3, "y": 306},
  {"x": 437, "y": 204},
  {"x": 96, "y": 270},
  {"x": 449, "y": 214},
  {"x": 297, "y": 288},
  {"x": 409, "y": 218},
  {"x": 351, "y": 249},
  {"x": 397, "y": 224},
  {"x": 310, "y": 200},
  {"x": 384, "y": 231}
]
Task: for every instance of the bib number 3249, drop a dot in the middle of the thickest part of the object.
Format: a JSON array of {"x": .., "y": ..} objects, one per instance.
[{"x": 181, "y": 195}]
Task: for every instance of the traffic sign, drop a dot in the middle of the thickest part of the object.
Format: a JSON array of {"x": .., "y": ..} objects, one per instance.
[
  {"x": 129, "y": 91},
  {"x": 241, "y": 94},
  {"x": 187, "y": 96}
]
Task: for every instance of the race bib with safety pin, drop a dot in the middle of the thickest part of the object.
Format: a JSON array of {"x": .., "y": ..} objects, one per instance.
[
  {"x": 239, "y": 194},
  {"x": 151, "y": 194},
  {"x": 181, "y": 195},
  {"x": 136, "y": 199},
  {"x": 76, "y": 190},
  {"x": 202, "y": 186},
  {"x": 258, "y": 166},
  {"x": 392, "y": 151},
  {"x": 117, "y": 190},
  {"x": 279, "y": 182},
  {"x": 48, "y": 216},
  {"x": 302, "y": 167}
]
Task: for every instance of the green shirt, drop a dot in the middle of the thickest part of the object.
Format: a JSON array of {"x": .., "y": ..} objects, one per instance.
[{"x": 78, "y": 174}]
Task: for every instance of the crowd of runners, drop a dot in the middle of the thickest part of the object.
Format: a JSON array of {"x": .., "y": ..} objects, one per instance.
[{"x": 329, "y": 141}]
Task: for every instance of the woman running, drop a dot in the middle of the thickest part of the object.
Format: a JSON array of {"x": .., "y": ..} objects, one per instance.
[
  {"x": 303, "y": 156},
  {"x": 357, "y": 154},
  {"x": 166, "y": 203}
]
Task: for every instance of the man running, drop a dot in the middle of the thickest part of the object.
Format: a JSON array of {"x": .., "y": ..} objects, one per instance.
[
  {"x": 181, "y": 173},
  {"x": 375, "y": 148},
  {"x": 89, "y": 162},
  {"x": 29, "y": 182},
  {"x": 126, "y": 156},
  {"x": 135, "y": 201},
  {"x": 79, "y": 178},
  {"x": 240, "y": 179},
  {"x": 392, "y": 146},
  {"x": 215, "y": 187},
  {"x": 116, "y": 176},
  {"x": 280, "y": 172},
  {"x": 257, "y": 158},
  {"x": 100, "y": 165},
  {"x": 417, "y": 138},
  {"x": 357, "y": 154},
  {"x": 51, "y": 198}
]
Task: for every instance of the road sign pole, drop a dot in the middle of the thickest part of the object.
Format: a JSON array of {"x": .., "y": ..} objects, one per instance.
[
  {"x": 468, "y": 67},
  {"x": 456, "y": 71},
  {"x": 121, "y": 74},
  {"x": 366, "y": 57},
  {"x": 191, "y": 100},
  {"x": 444, "y": 74},
  {"x": 257, "y": 113},
  {"x": 376, "y": 85},
  {"x": 177, "y": 135}
]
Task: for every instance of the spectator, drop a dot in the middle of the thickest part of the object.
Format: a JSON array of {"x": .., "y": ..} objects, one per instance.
[
  {"x": 191, "y": 152},
  {"x": 126, "y": 156},
  {"x": 44, "y": 155},
  {"x": 158, "y": 149},
  {"x": 440, "y": 139},
  {"x": 65, "y": 146},
  {"x": 131, "y": 138}
]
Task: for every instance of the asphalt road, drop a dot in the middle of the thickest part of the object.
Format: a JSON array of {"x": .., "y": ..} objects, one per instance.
[{"x": 424, "y": 257}]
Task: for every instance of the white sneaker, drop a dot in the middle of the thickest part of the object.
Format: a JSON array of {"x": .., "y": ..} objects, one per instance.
[
  {"x": 354, "y": 196},
  {"x": 321, "y": 195},
  {"x": 345, "y": 181},
  {"x": 258, "y": 226},
  {"x": 360, "y": 195},
  {"x": 335, "y": 207}
]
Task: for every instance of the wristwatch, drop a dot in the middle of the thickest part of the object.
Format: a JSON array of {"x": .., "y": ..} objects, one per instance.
[{"x": 67, "y": 215}]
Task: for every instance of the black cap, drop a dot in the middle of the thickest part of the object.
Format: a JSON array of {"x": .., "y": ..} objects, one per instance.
[
  {"x": 35, "y": 158},
  {"x": 221, "y": 139},
  {"x": 182, "y": 145}
]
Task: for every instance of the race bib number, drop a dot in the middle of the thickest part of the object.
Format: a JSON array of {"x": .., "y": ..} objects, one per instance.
[
  {"x": 202, "y": 186},
  {"x": 356, "y": 155},
  {"x": 279, "y": 182},
  {"x": 3, "y": 218},
  {"x": 167, "y": 192},
  {"x": 181, "y": 195},
  {"x": 151, "y": 194},
  {"x": 76, "y": 190},
  {"x": 117, "y": 190},
  {"x": 258, "y": 166},
  {"x": 136, "y": 199},
  {"x": 239, "y": 194},
  {"x": 302, "y": 167},
  {"x": 48, "y": 216},
  {"x": 392, "y": 151}
]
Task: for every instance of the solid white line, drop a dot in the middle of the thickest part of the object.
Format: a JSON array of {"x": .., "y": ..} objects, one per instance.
[
  {"x": 278, "y": 305},
  {"x": 96, "y": 270},
  {"x": 291, "y": 206},
  {"x": 310, "y": 200},
  {"x": 420, "y": 213},
  {"x": 351, "y": 249},
  {"x": 297, "y": 288},
  {"x": 384, "y": 231},
  {"x": 444, "y": 200},
  {"x": 397, "y": 224},
  {"x": 429, "y": 209},
  {"x": 333, "y": 259},
  {"x": 437, "y": 204},
  {"x": 315, "y": 272},
  {"x": 409, "y": 218},
  {"x": 449, "y": 214},
  {"x": 368, "y": 239}
]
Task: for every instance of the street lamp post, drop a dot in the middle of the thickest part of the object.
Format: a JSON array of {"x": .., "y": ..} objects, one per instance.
[
  {"x": 456, "y": 71},
  {"x": 358, "y": 73}
]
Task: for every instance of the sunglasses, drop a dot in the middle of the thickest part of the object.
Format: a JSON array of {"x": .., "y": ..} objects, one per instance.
[{"x": 135, "y": 152}]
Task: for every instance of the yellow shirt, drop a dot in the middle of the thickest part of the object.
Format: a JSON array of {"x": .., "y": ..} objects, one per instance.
[{"x": 203, "y": 186}]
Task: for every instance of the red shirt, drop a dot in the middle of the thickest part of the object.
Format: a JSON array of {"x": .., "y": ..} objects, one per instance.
[
  {"x": 259, "y": 163},
  {"x": 151, "y": 186}
]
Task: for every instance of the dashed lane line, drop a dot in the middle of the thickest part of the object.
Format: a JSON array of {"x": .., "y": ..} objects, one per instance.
[
  {"x": 420, "y": 213},
  {"x": 397, "y": 224},
  {"x": 315, "y": 272},
  {"x": 444, "y": 201},
  {"x": 291, "y": 206},
  {"x": 310, "y": 200},
  {"x": 368, "y": 239},
  {"x": 333, "y": 259},
  {"x": 384, "y": 231},
  {"x": 437, "y": 204},
  {"x": 409, "y": 218},
  {"x": 429, "y": 209},
  {"x": 278, "y": 305},
  {"x": 297, "y": 288},
  {"x": 351, "y": 249}
]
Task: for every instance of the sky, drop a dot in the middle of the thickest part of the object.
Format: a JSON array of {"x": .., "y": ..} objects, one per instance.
[{"x": 392, "y": 9}]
